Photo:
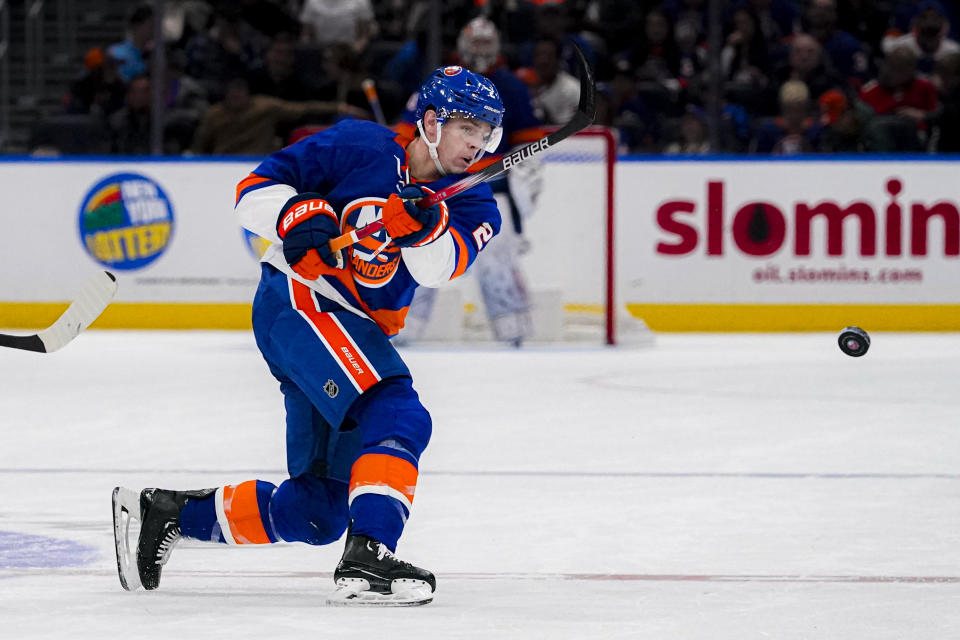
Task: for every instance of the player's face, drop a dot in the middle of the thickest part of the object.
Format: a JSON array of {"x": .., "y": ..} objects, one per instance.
[{"x": 461, "y": 142}]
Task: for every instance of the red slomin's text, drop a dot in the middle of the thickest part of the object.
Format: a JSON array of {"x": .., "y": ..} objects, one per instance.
[{"x": 760, "y": 228}]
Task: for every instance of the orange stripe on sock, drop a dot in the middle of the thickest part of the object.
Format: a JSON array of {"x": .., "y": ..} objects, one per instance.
[
  {"x": 386, "y": 471},
  {"x": 243, "y": 513}
]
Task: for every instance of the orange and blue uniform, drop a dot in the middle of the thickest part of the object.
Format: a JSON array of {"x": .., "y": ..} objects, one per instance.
[{"x": 355, "y": 426}]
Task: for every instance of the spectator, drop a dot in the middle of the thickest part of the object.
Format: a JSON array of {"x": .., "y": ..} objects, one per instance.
[
  {"x": 348, "y": 22},
  {"x": 556, "y": 94},
  {"x": 793, "y": 131},
  {"x": 691, "y": 55},
  {"x": 405, "y": 70},
  {"x": 840, "y": 122},
  {"x": 693, "y": 134},
  {"x": 130, "y": 126},
  {"x": 277, "y": 75},
  {"x": 900, "y": 102},
  {"x": 776, "y": 19},
  {"x": 691, "y": 11},
  {"x": 619, "y": 21},
  {"x": 845, "y": 53},
  {"x": 100, "y": 90},
  {"x": 947, "y": 75},
  {"x": 246, "y": 124},
  {"x": 553, "y": 21},
  {"x": 183, "y": 19},
  {"x": 807, "y": 63},
  {"x": 656, "y": 63},
  {"x": 340, "y": 79},
  {"x": 229, "y": 48},
  {"x": 927, "y": 38},
  {"x": 657, "y": 59},
  {"x": 900, "y": 18},
  {"x": 393, "y": 18},
  {"x": 185, "y": 102},
  {"x": 637, "y": 123},
  {"x": 745, "y": 62},
  {"x": 131, "y": 52}
]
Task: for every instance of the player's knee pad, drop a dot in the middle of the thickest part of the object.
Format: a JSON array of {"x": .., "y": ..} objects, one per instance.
[
  {"x": 393, "y": 420},
  {"x": 310, "y": 509}
]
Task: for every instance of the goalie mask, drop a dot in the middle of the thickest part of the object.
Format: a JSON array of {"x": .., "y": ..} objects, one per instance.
[
  {"x": 455, "y": 91},
  {"x": 479, "y": 44}
]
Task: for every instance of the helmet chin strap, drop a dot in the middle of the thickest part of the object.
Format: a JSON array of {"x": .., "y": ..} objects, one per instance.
[{"x": 432, "y": 146}]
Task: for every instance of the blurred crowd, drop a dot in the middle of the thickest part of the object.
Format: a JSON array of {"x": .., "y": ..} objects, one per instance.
[{"x": 793, "y": 76}]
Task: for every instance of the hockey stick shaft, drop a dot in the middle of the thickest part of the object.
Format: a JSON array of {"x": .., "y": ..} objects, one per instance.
[
  {"x": 370, "y": 91},
  {"x": 93, "y": 298},
  {"x": 583, "y": 118}
]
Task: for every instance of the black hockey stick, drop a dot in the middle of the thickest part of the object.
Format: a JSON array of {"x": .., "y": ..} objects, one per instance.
[
  {"x": 586, "y": 111},
  {"x": 87, "y": 307}
]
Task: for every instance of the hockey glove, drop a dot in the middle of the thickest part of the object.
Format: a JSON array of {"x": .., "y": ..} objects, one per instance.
[
  {"x": 306, "y": 225},
  {"x": 409, "y": 225}
]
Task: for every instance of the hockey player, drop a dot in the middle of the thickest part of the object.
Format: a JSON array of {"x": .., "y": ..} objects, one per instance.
[
  {"x": 500, "y": 278},
  {"x": 322, "y": 320}
]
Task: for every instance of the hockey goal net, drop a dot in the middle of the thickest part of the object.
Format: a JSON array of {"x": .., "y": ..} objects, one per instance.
[{"x": 566, "y": 252}]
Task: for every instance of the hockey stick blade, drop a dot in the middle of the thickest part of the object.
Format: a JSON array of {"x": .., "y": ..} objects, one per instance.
[
  {"x": 586, "y": 112},
  {"x": 93, "y": 298}
]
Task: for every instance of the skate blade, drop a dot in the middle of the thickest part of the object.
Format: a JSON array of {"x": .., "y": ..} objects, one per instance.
[
  {"x": 126, "y": 509},
  {"x": 356, "y": 593}
]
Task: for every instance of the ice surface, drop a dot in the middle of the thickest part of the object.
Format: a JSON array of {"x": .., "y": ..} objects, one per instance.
[{"x": 709, "y": 487}]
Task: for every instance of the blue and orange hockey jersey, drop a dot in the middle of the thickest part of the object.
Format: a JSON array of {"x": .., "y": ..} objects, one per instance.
[{"x": 356, "y": 165}]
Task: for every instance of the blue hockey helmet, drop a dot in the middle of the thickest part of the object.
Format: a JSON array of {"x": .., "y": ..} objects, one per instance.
[{"x": 454, "y": 90}]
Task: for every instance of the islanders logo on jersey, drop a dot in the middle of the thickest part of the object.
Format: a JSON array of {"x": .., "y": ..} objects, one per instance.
[
  {"x": 126, "y": 221},
  {"x": 375, "y": 258}
]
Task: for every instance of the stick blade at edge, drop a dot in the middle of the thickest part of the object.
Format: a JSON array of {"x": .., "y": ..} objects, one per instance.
[{"x": 93, "y": 298}]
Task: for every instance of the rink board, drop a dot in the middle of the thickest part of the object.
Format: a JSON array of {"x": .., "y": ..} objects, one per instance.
[{"x": 705, "y": 244}]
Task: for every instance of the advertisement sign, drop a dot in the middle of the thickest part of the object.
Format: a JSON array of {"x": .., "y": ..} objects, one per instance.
[
  {"x": 703, "y": 240},
  {"x": 799, "y": 232}
]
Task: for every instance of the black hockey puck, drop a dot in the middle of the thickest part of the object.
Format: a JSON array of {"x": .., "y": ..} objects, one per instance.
[{"x": 854, "y": 341}]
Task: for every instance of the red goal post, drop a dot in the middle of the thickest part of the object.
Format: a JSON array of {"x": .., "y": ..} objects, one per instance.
[{"x": 575, "y": 221}]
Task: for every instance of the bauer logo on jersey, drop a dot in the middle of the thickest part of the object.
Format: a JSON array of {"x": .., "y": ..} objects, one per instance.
[
  {"x": 452, "y": 70},
  {"x": 375, "y": 258},
  {"x": 126, "y": 221}
]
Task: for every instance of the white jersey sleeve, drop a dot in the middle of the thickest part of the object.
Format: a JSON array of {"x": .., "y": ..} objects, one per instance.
[
  {"x": 258, "y": 210},
  {"x": 433, "y": 264}
]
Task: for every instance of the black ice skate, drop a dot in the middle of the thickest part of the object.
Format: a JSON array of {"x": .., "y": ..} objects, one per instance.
[
  {"x": 369, "y": 574},
  {"x": 158, "y": 512}
]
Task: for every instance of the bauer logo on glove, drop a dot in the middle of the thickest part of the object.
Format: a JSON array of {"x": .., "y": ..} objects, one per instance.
[
  {"x": 306, "y": 224},
  {"x": 308, "y": 208},
  {"x": 409, "y": 225}
]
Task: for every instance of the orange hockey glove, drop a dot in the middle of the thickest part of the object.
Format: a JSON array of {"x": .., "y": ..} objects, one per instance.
[{"x": 409, "y": 225}]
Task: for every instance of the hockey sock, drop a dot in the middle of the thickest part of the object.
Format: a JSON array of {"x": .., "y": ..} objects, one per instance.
[
  {"x": 198, "y": 520},
  {"x": 378, "y": 517},
  {"x": 381, "y": 494},
  {"x": 235, "y": 514}
]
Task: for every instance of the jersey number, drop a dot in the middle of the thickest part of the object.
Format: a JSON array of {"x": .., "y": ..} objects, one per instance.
[{"x": 482, "y": 235}]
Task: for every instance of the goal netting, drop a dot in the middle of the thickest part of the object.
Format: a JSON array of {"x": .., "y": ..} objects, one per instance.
[{"x": 566, "y": 254}]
